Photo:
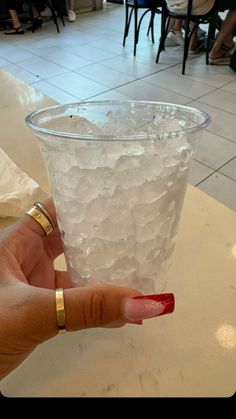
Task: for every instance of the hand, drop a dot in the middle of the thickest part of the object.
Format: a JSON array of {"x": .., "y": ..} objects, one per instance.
[{"x": 27, "y": 294}]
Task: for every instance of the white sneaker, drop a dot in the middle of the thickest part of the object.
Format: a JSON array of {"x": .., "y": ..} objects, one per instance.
[
  {"x": 71, "y": 15},
  {"x": 174, "y": 38},
  {"x": 46, "y": 12}
]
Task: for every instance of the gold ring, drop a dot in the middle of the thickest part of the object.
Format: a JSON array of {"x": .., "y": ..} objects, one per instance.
[
  {"x": 45, "y": 212},
  {"x": 40, "y": 214},
  {"x": 60, "y": 310}
]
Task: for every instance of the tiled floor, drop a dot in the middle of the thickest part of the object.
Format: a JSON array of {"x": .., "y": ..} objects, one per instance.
[{"x": 87, "y": 61}]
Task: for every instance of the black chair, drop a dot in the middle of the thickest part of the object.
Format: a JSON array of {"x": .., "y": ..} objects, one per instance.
[
  {"x": 56, "y": 8},
  {"x": 209, "y": 18},
  {"x": 132, "y": 7}
]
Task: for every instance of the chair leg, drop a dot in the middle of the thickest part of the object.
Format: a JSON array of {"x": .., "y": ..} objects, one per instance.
[
  {"x": 135, "y": 30},
  {"x": 128, "y": 17},
  {"x": 55, "y": 20},
  {"x": 165, "y": 23},
  {"x": 208, "y": 44},
  {"x": 126, "y": 30},
  {"x": 187, "y": 38},
  {"x": 54, "y": 17},
  {"x": 58, "y": 7},
  {"x": 151, "y": 26}
]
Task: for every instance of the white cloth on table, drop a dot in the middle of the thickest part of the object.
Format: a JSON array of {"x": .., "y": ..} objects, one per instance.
[{"x": 17, "y": 190}]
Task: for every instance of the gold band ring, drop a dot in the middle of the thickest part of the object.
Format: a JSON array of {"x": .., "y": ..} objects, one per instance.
[
  {"x": 40, "y": 214},
  {"x": 60, "y": 310}
]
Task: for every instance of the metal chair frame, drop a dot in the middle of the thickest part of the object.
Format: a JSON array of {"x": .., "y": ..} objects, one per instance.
[
  {"x": 209, "y": 18},
  {"x": 132, "y": 8}
]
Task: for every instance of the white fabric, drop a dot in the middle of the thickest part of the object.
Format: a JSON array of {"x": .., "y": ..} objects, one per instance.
[
  {"x": 71, "y": 15},
  {"x": 200, "y": 7},
  {"x": 17, "y": 190}
]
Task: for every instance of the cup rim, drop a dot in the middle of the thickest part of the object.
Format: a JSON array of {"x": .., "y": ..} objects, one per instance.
[{"x": 30, "y": 121}]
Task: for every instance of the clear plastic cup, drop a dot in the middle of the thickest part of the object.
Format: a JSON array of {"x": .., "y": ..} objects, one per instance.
[{"x": 118, "y": 173}]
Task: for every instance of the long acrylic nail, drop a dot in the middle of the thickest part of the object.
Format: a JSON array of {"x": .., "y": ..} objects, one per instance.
[{"x": 146, "y": 306}]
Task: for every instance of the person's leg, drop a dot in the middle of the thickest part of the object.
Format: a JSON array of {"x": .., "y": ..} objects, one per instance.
[
  {"x": 35, "y": 12},
  {"x": 70, "y": 11},
  {"x": 225, "y": 35},
  {"x": 196, "y": 44},
  {"x": 175, "y": 35},
  {"x": 71, "y": 4},
  {"x": 15, "y": 19},
  {"x": 11, "y": 6},
  {"x": 17, "y": 29},
  {"x": 177, "y": 25}
]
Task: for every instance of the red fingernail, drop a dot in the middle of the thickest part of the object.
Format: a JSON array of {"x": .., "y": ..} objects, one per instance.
[
  {"x": 146, "y": 306},
  {"x": 167, "y": 299}
]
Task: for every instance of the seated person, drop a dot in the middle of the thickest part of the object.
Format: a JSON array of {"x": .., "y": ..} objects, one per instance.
[
  {"x": 17, "y": 28},
  {"x": 218, "y": 55}
]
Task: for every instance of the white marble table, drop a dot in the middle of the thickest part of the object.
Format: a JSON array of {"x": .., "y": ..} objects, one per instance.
[{"x": 189, "y": 353}]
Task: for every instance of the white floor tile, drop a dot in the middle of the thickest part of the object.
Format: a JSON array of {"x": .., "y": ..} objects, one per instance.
[
  {"x": 229, "y": 169},
  {"x": 111, "y": 95},
  {"x": 3, "y": 62},
  {"x": 77, "y": 85},
  {"x": 141, "y": 90},
  {"x": 21, "y": 73},
  {"x": 57, "y": 94},
  {"x": 104, "y": 75},
  {"x": 198, "y": 172},
  {"x": 80, "y": 24},
  {"x": 62, "y": 57},
  {"x": 179, "y": 84},
  {"x": 114, "y": 46},
  {"x": 101, "y": 32},
  {"x": 148, "y": 56},
  {"x": 230, "y": 87},
  {"x": 143, "y": 43},
  {"x": 221, "y": 99},
  {"x": 171, "y": 56},
  {"x": 214, "y": 151},
  {"x": 69, "y": 38},
  {"x": 215, "y": 76},
  {"x": 30, "y": 44},
  {"x": 81, "y": 39},
  {"x": 221, "y": 188},
  {"x": 14, "y": 54},
  {"x": 130, "y": 65},
  {"x": 91, "y": 53},
  {"x": 223, "y": 123},
  {"x": 41, "y": 67}
]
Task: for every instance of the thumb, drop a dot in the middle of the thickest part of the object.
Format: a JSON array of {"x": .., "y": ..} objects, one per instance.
[{"x": 95, "y": 306}]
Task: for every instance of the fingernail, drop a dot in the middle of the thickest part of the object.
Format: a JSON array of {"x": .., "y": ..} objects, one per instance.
[{"x": 146, "y": 306}]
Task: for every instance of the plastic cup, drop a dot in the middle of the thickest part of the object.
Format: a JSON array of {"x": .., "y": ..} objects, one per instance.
[{"x": 118, "y": 173}]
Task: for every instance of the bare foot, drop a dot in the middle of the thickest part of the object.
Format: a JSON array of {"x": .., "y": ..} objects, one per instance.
[{"x": 219, "y": 54}]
